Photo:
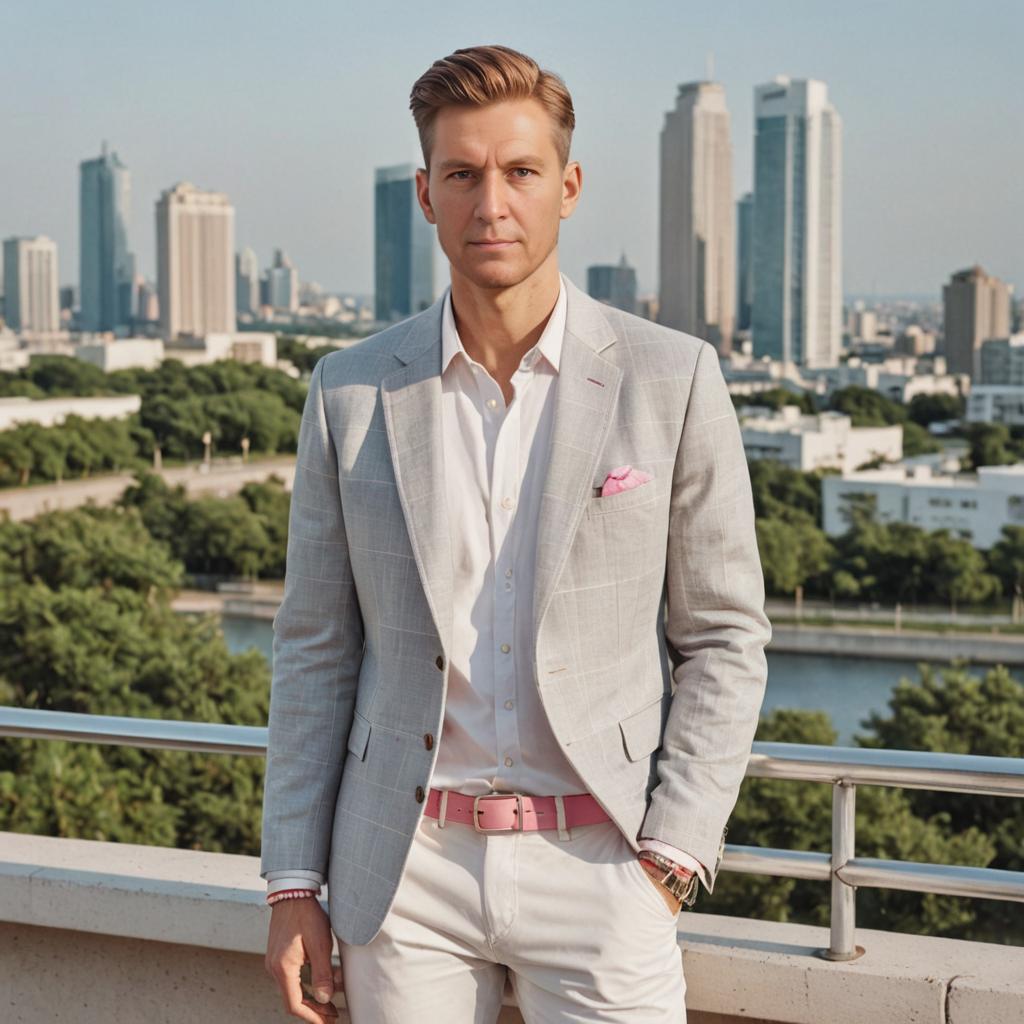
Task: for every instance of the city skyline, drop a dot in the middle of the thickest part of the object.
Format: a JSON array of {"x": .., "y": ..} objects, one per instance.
[{"x": 926, "y": 100}]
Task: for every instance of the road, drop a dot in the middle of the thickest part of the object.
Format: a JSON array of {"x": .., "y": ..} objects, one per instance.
[{"x": 221, "y": 480}]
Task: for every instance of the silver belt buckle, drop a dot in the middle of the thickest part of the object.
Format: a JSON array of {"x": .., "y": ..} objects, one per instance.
[{"x": 495, "y": 796}]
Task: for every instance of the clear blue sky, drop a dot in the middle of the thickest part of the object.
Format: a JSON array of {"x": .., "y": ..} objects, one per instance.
[{"x": 288, "y": 109}]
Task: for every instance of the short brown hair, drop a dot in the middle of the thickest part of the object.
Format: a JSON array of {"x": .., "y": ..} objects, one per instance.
[{"x": 478, "y": 75}]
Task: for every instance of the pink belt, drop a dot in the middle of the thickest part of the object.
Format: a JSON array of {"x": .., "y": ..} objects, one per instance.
[{"x": 514, "y": 812}]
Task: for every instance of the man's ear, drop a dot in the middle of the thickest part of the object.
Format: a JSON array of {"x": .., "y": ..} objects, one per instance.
[
  {"x": 423, "y": 194},
  {"x": 572, "y": 185}
]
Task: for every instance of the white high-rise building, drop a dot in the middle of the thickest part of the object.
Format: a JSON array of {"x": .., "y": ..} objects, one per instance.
[
  {"x": 195, "y": 246},
  {"x": 797, "y": 308},
  {"x": 283, "y": 283},
  {"x": 247, "y": 282},
  {"x": 31, "y": 292},
  {"x": 697, "y": 240}
]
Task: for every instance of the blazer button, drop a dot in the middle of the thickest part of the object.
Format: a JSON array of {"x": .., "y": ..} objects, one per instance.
[
  {"x": 428, "y": 740},
  {"x": 439, "y": 661},
  {"x": 419, "y": 794}
]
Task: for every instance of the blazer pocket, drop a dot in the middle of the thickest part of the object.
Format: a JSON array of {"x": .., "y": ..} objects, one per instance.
[
  {"x": 641, "y": 730},
  {"x": 639, "y": 495},
  {"x": 359, "y": 735}
]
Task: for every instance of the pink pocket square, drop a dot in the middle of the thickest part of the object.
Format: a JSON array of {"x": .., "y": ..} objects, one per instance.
[{"x": 623, "y": 478}]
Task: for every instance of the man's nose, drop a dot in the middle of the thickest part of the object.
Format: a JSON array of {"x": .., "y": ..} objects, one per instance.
[{"x": 492, "y": 201}]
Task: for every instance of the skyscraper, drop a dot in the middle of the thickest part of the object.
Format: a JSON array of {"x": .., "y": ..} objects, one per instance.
[
  {"x": 31, "y": 292},
  {"x": 744, "y": 261},
  {"x": 696, "y": 240},
  {"x": 615, "y": 285},
  {"x": 283, "y": 283},
  {"x": 247, "y": 282},
  {"x": 797, "y": 309},
  {"x": 195, "y": 244},
  {"x": 403, "y": 246},
  {"x": 106, "y": 266},
  {"x": 976, "y": 307}
]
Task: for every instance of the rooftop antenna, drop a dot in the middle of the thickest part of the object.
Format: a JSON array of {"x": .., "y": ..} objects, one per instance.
[{"x": 709, "y": 66}]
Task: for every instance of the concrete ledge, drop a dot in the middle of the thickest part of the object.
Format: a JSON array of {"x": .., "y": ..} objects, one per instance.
[
  {"x": 202, "y": 923},
  {"x": 907, "y": 645}
]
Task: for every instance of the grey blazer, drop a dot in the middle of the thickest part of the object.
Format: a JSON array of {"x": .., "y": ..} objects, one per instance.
[{"x": 649, "y": 617}]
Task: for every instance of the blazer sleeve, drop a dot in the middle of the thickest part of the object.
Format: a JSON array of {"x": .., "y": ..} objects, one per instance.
[
  {"x": 716, "y": 628},
  {"x": 318, "y": 651}
]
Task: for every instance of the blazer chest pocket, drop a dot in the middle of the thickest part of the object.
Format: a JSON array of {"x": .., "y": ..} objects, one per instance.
[
  {"x": 641, "y": 730},
  {"x": 358, "y": 736},
  {"x": 642, "y": 494}
]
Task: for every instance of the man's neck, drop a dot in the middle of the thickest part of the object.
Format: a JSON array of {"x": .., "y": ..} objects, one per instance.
[{"x": 498, "y": 327}]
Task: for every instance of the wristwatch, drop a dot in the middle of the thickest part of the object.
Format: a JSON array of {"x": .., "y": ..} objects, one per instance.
[{"x": 683, "y": 887}]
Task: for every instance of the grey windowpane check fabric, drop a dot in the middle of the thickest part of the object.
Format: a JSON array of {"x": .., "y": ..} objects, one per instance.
[{"x": 648, "y": 605}]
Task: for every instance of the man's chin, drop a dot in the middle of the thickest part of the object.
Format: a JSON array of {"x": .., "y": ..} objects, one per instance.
[{"x": 496, "y": 276}]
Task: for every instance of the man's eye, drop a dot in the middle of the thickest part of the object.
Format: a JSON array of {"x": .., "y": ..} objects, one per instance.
[
  {"x": 527, "y": 169},
  {"x": 455, "y": 174}
]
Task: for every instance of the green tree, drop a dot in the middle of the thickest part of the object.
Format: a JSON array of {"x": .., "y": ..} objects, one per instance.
[
  {"x": 86, "y": 625},
  {"x": 927, "y": 409},
  {"x": 791, "y": 553},
  {"x": 224, "y": 536},
  {"x": 952, "y": 710},
  {"x": 783, "y": 814},
  {"x": 1006, "y": 559},
  {"x": 990, "y": 444}
]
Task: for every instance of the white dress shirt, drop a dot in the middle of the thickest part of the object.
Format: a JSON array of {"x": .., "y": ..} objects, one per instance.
[{"x": 495, "y": 734}]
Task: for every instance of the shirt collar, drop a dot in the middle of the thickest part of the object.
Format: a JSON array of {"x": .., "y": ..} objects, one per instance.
[{"x": 549, "y": 344}]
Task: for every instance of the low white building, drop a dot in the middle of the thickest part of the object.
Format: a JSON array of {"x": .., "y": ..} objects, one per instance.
[
  {"x": 242, "y": 346},
  {"x": 122, "y": 353},
  {"x": 824, "y": 440},
  {"x": 48, "y": 412},
  {"x": 1002, "y": 361},
  {"x": 898, "y": 377},
  {"x": 972, "y": 506},
  {"x": 13, "y": 356},
  {"x": 996, "y": 403}
]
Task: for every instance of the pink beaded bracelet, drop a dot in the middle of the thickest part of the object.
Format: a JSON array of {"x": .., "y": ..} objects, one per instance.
[{"x": 291, "y": 894}]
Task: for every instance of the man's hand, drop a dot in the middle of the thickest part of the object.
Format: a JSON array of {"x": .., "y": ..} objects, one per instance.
[
  {"x": 655, "y": 874},
  {"x": 300, "y": 932}
]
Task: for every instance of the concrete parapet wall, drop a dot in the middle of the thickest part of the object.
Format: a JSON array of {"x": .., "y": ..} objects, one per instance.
[{"x": 114, "y": 932}]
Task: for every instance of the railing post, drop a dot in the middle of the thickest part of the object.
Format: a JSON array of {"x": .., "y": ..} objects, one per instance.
[{"x": 843, "y": 918}]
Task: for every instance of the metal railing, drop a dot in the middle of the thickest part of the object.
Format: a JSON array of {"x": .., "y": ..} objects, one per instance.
[{"x": 844, "y": 768}]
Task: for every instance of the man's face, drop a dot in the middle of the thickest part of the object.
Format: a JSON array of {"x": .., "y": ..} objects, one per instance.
[{"x": 495, "y": 174}]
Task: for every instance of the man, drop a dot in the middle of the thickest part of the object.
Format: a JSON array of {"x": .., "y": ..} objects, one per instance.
[{"x": 521, "y": 560}]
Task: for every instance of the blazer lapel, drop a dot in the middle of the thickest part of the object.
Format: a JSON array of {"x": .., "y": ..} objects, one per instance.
[
  {"x": 585, "y": 398},
  {"x": 411, "y": 400}
]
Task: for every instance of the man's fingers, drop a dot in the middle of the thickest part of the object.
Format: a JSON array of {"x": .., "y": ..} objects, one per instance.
[
  {"x": 294, "y": 1000},
  {"x": 318, "y": 953},
  {"x": 324, "y": 1011}
]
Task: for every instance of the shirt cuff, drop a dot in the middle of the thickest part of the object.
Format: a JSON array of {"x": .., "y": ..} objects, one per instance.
[
  {"x": 296, "y": 879},
  {"x": 675, "y": 854}
]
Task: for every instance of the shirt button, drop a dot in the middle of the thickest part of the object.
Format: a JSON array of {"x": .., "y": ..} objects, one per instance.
[
  {"x": 508, "y": 572},
  {"x": 428, "y": 740},
  {"x": 439, "y": 661},
  {"x": 506, "y": 502},
  {"x": 492, "y": 403},
  {"x": 508, "y": 586},
  {"x": 505, "y": 648},
  {"x": 508, "y": 762},
  {"x": 419, "y": 794},
  {"x": 508, "y": 704}
]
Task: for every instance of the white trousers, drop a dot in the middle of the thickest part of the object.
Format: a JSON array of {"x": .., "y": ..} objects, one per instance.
[{"x": 582, "y": 930}]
